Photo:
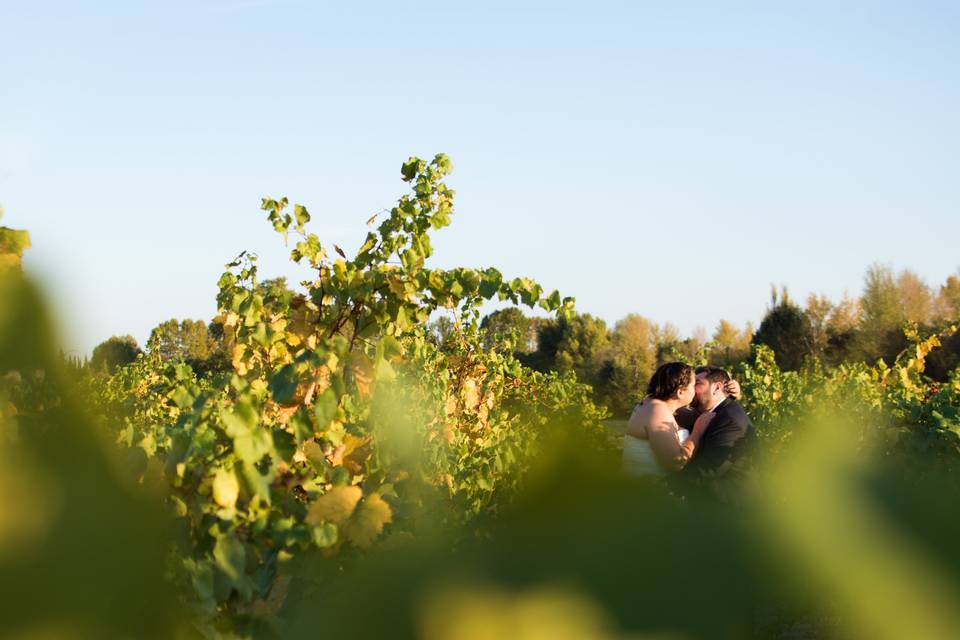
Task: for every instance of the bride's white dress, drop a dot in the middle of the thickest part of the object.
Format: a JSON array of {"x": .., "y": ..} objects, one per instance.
[{"x": 638, "y": 458}]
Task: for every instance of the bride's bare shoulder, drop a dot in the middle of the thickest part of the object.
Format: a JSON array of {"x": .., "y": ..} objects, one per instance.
[
  {"x": 639, "y": 419},
  {"x": 660, "y": 415},
  {"x": 648, "y": 414},
  {"x": 659, "y": 407}
]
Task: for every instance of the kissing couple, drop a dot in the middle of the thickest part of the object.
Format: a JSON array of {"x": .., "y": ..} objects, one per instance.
[{"x": 691, "y": 429}]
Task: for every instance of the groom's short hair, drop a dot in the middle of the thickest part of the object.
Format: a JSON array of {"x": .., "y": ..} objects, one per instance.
[{"x": 714, "y": 374}]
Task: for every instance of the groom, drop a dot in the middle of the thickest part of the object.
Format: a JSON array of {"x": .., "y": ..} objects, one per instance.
[{"x": 722, "y": 460}]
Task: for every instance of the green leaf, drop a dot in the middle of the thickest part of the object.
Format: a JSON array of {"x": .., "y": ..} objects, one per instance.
[
  {"x": 384, "y": 372},
  {"x": 240, "y": 419},
  {"x": 284, "y": 444},
  {"x": 182, "y": 397},
  {"x": 402, "y": 321},
  {"x": 411, "y": 168},
  {"x": 231, "y": 558},
  {"x": 201, "y": 576},
  {"x": 300, "y": 214},
  {"x": 325, "y": 409},
  {"x": 551, "y": 302},
  {"x": 490, "y": 283},
  {"x": 340, "y": 476},
  {"x": 283, "y": 384},
  {"x": 470, "y": 280},
  {"x": 324, "y": 534},
  {"x": 335, "y": 433},
  {"x": 252, "y": 446},
  {"x": 315, "y": 457},
  {"x": 389, "y": 347},
  {"x": 258, "y": 484},
  {"x": 302, "y": 426},
  {"x": 443, "y": 164},
  {"x": 410, "y": 259},
  {"x": 250, "y": 441}
]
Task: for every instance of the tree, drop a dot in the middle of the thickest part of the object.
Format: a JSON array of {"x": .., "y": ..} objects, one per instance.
[
  {"x": 575, "y": 343},
  {"x": 730, "y": 345},
  {"x": 627, "y": 363},
  {"x": 942, "y": 361},
  {"x": 440, "y": 330},
  {"x": 818, "y": 312},
  {"x": 114, "y": 352},
  {"x": 276, "y": 291},
  {"x": 509, "y": 324},
  {"x": 947, "y": 303},
  {"x": 882, "y": 317},
  {"x": 187, "y": 340},
  {"x": 670, "y": 347},
  {"x": 916, "y": 299},
  {"x": 785, "y": 329},
  {"x": 842, "y": 327}
]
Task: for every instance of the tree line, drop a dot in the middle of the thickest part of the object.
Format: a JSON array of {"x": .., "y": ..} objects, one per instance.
[{"x": 616, "y": 361}]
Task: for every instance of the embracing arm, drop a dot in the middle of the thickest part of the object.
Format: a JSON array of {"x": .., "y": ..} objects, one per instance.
[{"x": 670, "y": 454}]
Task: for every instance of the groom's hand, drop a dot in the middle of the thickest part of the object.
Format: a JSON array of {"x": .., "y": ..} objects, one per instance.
[{"x": 732, "y": 388}]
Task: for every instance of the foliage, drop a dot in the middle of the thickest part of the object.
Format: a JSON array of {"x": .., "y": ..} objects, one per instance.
[
  {"x": 913, "y": 414},
  {"x": 729, "y": 345},
  {"x": 82, "y": 546},
  {"x": 628, "y": 362},
  {"x": 187, "y": 341},
  {"x": 341, "y": 417},
  {"x": 786, "y": 330},
  {"x": 114, "y": 352},
  {"x": 13, "y": 243},
  {"x": 511, "y": 326},
  {"x": 349, "y": 460}
]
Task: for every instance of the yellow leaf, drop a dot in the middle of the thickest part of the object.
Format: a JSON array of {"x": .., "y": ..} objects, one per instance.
[
  {"x": 225, "y": 488},
  {"x": 471, "y": 394},
  {"x": 335, "y": 506},
  {"x": 362, "y": 371},
  {"x": 354, "y": 452},
  {"x": 450, "y": 406},
  {"x": 368, "y": 520},
  {"x": 238, "y": 359}
]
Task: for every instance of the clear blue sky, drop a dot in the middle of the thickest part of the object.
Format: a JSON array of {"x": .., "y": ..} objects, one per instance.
[{"x": 670, "y": 159}]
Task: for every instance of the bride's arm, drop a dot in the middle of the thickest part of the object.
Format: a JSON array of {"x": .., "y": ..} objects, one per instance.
[{"x": 670, "y": 454}]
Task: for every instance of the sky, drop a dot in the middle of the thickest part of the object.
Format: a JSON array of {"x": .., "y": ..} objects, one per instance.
[{"x": 669, "y": 159}]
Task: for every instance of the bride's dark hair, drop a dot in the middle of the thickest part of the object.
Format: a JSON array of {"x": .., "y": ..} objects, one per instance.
[{"x": 668, "y": 379}]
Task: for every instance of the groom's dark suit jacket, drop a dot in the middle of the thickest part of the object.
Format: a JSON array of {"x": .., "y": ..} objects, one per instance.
[{"x": 726, "y": 447}]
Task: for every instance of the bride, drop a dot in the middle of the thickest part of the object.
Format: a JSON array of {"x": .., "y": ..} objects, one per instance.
[{"x": 654, "y": 444}]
